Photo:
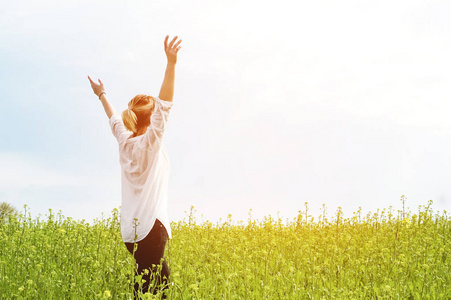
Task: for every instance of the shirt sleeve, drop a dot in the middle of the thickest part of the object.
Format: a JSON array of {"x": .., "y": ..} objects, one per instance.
[
  {"x": 158, "y": 123},
  {"x": 117, "y": 127}
]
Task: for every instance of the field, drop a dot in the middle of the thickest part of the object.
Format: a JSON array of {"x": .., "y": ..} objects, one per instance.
[{"x": 381, "y": 255}]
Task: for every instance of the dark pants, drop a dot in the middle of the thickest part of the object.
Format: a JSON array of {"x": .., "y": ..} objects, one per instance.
[{"x": 150, "y": 251}]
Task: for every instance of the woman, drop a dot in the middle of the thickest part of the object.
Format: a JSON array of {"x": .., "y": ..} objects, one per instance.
[{"x": 145, "y": 171}]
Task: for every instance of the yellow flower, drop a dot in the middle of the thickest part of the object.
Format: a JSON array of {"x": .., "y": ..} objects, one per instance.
[{"x": 107, "y": 294}]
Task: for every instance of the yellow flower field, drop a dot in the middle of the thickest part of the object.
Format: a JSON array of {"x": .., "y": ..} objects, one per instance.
[{"x": 382, "y": 255}]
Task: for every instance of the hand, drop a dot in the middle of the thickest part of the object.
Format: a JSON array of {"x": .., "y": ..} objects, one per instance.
[
  {"x": 97, "y": 88},
  {"x": 171, "y": 49}
]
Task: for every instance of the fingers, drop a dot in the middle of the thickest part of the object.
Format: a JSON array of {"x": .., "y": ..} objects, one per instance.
[
  {"x": 90, "y": 79},
  {"x": 178, "y": 43},
  {"x": 166, "y": 43},
  {"x": 172, "y": 42},
  {"x": 100, "y": 81},
  {"x": 172, "y": 47}
]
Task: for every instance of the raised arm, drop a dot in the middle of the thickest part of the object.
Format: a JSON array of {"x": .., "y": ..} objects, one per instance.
[
  {"x": 99, "y": 90},
  {"x": 167, "y": 88}
]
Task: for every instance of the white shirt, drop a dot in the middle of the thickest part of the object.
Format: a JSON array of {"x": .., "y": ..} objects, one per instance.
[{"x": 145, "y": 173}]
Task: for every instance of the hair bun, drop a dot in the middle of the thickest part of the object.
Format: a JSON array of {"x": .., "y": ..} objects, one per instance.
[{"x": 138, "y": 112}]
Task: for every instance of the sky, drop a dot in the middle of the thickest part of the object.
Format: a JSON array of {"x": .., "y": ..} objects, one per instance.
[{"x": 342, "y": 103}]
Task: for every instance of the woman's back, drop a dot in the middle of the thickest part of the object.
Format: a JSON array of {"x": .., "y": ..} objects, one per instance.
[{"x": 145, "y": 169}]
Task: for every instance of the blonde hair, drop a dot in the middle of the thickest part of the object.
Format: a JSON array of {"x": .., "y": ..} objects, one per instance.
[{"x": 138, "y": 113}]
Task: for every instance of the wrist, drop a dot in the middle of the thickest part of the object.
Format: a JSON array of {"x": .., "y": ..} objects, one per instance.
[{"x": 102, "y": 94}]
